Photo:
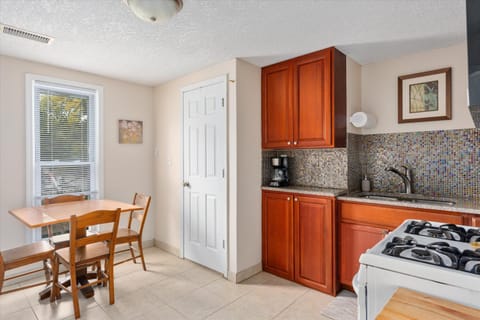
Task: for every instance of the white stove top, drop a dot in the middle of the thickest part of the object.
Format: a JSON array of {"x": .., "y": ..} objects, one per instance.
[{"x": 374, "y": 257}]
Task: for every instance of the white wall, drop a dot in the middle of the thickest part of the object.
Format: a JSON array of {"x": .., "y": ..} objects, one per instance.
[
  {"x": 244, "y": 161},
  {"x": 249, "y": 166},
  {"x": 168, "y": 161},
  {"x": 128, "y": 168},
  {"x": 379, "y": 89},
  {"x": 354, "y": 92}
]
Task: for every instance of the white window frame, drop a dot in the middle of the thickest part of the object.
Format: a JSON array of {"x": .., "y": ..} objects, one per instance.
[{"x": 30, "y": 125}]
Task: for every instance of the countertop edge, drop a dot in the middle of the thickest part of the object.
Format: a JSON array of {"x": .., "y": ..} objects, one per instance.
[
  {"x": 455, "y": 208},
  {"x": 326, "y": 192}
]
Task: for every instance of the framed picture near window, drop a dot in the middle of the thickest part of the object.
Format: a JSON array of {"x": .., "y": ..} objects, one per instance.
[
  {"x": 130, "y": 132},
  {"x": 425, "y": 96}
]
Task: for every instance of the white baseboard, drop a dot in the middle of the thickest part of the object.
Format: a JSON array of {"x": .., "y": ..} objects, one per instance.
[
  {"x": 167, "y": 247},
  {"x": 244, "y": 274}
]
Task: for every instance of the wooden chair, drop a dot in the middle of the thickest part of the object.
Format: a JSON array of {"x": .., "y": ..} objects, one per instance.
[
  {"x": 85, "y": 251},
  {"x": 21, "y": 256},
  {"x": 60, "y": 241},
  {"x": 129, "y": 235}
]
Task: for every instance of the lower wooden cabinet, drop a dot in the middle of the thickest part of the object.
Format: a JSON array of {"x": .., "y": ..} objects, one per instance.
[
  {"x": 313, "y": 249},
  {"x": 277, "y": 234},
  {"x": 354, "y": 240},
  {"x": 475, "y": 221},
  {"x": 364, "y": 225},
  {"x": 298, "y": 233}
]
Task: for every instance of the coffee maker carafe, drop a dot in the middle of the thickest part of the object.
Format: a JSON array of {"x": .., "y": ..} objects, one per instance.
[{"x": 280, "y": 171}]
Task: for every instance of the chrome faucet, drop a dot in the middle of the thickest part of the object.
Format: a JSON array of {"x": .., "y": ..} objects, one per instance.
[{"x": 406, "y": 178}]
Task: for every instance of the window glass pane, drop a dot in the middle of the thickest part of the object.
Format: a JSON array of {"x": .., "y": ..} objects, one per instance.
[
  {"x": 64, "y": 126},
  {"x": 56, "y": 179}
]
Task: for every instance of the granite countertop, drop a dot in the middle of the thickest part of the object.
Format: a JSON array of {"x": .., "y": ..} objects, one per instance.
[
  {"x": 461, "y": 205},
  {"x": 327, "y": 192}
]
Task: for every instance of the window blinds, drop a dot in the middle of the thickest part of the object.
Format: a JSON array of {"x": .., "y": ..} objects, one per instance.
[{"x": 64, "y": 140}]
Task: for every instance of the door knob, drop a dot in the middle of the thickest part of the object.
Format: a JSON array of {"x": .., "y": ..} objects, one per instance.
[{"x": 186, "y": 184}]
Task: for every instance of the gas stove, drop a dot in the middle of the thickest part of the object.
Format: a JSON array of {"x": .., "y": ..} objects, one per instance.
[
  {"x": 462, "y": 255},
  {"x": 438, "y": 259}
]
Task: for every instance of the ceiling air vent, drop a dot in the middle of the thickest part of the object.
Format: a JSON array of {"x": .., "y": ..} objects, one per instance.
[{"x": 13, "y": 31}]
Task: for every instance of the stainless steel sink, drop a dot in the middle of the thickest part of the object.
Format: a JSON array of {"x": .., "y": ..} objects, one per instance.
[
  {"x": 433, "y": 201},
  {"x": 375, "y": 197},
  {"x": 413, "y": 199}
]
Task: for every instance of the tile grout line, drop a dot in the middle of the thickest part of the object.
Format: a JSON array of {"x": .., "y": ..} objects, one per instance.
[{"x": 289, "y": 305}]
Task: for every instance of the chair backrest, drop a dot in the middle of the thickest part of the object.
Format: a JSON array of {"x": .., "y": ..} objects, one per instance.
[
  {"x": 63, "y": 198},
  {"x": 140, "y": 216},
  {"x": 78, "y": 225}
]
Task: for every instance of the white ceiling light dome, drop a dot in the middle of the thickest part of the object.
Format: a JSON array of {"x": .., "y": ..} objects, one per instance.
[{"x": 155, "y": 11}]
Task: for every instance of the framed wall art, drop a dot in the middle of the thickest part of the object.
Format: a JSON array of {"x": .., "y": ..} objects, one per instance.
[
  {"x": 425, "y": 96},
  {"x": 130, "y": 132}
]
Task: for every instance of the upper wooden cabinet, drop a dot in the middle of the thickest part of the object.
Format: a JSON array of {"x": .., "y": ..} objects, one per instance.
[{"x": 304, "y": 101}]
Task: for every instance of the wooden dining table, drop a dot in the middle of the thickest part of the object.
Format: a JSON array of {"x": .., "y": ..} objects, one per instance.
[{"x": 47, "y": 215}]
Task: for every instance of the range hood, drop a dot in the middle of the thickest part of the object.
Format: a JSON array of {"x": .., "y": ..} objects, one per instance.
[{"x": 473, "y": 38}]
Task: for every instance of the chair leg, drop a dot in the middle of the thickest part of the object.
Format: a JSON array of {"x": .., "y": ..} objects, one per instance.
[
  {"x": 46, "y": 270},
  {"x": 131, "y": 252},
  {"x": 55, "y": 288},
  {"x": 105, "y": 267},
  {"x": 98, "y": 266},
  {"x": 140, "y": 248},
  {"x": 111, "y": 289},
  {"x": 2, "y": 274},
  {"x": 73, "y": 284}
]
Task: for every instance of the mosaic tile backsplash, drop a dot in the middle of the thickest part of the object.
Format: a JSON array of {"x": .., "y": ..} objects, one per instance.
[
  {"x": 443, "y": 163},
  {"x": 311, "y": 167}
]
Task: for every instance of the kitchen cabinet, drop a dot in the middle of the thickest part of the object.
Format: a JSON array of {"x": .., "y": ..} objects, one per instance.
[
  {"x": 472, "y": 220},
  {"x": 298, "y": 237},
  {"x": 363, "y": 225},
  {"x": 304, "y": 101},
  {"x": 277, "y": 234},
  {"x": 355, "y": 239},
  {"x": 313, "y": 242}
]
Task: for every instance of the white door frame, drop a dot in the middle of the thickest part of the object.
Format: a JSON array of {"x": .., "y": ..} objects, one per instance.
[{"x": 224, "y": 79}]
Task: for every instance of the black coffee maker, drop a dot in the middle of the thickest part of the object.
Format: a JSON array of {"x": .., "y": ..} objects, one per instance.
[{"x": 280, "y": 171}]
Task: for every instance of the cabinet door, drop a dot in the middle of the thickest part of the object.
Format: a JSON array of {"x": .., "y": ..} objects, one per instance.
[
  {"x": 313, "y": 225},
  {"x": 313, "y": 102},
  {"x": 277, "y": 233},
  {"x": 355, "y": 240},
  {"x": 476, "y": 221},
  {"x": 277, "y": 108}
]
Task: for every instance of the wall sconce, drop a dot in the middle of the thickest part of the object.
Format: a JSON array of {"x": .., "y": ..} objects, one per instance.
[{"x": 363, "y": 120}]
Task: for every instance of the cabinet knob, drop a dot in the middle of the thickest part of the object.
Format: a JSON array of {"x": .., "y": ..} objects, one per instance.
[
  {"x": 295, "y": 142},
  {"x": 288, "y": 142},
  {"x": 296, "y": 199},
  {"x": 288, "y": 198}
]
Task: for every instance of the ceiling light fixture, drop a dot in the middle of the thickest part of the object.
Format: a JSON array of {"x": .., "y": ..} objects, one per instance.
[{"x": 155, "y": 11}]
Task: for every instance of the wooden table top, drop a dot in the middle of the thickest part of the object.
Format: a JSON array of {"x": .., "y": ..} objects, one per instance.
[
  {"x": 407, "y": 304},
  {"x": 60, "y": 212}
]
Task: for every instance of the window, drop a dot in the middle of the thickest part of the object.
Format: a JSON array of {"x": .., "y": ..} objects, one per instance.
[{"x": 63, "y": 141}]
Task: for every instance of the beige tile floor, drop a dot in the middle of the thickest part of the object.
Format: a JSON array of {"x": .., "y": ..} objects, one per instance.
[{"x": 172, "y": 289}]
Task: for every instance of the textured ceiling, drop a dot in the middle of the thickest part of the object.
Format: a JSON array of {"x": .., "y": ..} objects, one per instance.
[{"x": 104, "y": 37}]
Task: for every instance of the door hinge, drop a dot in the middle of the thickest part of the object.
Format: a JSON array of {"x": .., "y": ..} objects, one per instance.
[
  {"x": 223, "y": 244},
  {"x": 223, "y": 173},
  {"x": 223, "y": 102}
]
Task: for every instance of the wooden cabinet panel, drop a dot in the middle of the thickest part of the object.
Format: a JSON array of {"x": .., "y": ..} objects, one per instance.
[
  {"x": 475, "y": 221},
  {"x": 313, "y": 229},
  {"x": 277, "y": 108},
  {"x": 312, "y": 102},
  {"x": 355, "y": 240},
  {"x": 277, "y": 233},
  {"x": 390, "y": 216},
  {"x": 304, "y": 101}
]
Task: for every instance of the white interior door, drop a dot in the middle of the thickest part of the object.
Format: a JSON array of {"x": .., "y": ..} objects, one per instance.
[{"x": 204, "y": 176}]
